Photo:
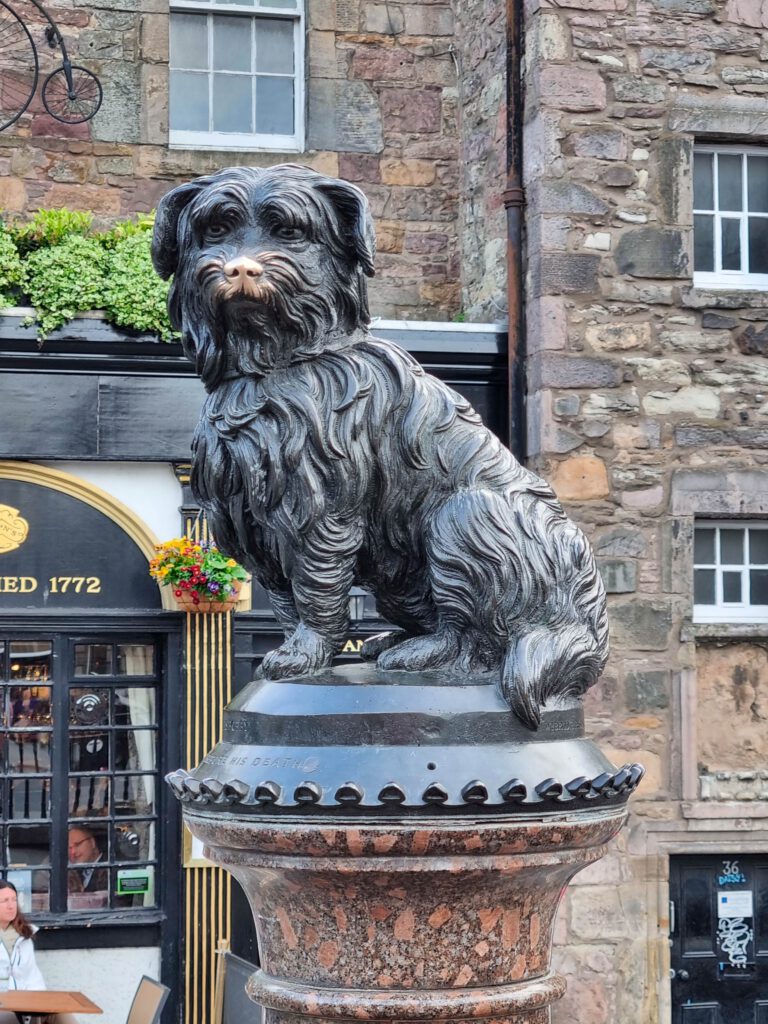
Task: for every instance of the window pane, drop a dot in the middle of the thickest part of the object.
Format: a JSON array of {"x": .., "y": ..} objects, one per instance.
[
  {"x": 135, "y": 659},
  {"x": 88, "y": 752},
  {"x": 704, "y": 546},
  {"x": 135, "y": 750},
  {"x": 189, "y": 101},
  {"x": 30, "y": 660},
  {"x": 232, "y": 99},
  {"x": 134, "y": 840},
  {"x": 87, "y": 888},
  {"x": 703, "y": 242},
  {"x": 731, "y": 247},
  {"x": 135, "y": 706},
  {"x": 93, "y": 660},
  {"x": 731, "y": 587},
  {"x": 29, "y": 706},
  {"x": 2, "y": 660},
  {"x": 703, "y": 192},
  {"x": 133, "y": 794},
  {"x": 88, "y": 796},
  {"x": 274, "y": 106},
  {"x": 729, "y": 182},
  {"x": 758, "y": 586},
  {"x": 133, "y": 886},
  {"x": 274, "y": 46},
  {"x": 758, "y": 547},
  {"x": 29, "y": 845},
  {"x": 285, "y": 5},
  {"x": 28, "y": 752},
  {"x": 88, "y": 706},
  {"x": 32, "y": 886},
  {"x": 732, "y": 547},
  {"x": 189, "y": 41},
  {"x": 704, "y": 586},
  {"x": 231, "y": 44},
  {"x": 757, "y": 183},
  {"x": 758, "y": 245},
  {"x": 29, "y": 798}
]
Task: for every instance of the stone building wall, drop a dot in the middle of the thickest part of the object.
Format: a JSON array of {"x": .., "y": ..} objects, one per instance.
[
  {"x": 382, "y": 112},
  {"x": 647, "y": 406},
  {"x": 481, "y": 62}
]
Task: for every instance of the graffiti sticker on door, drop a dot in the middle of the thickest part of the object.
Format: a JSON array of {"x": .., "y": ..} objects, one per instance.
[{"x": 735, "y": 932}]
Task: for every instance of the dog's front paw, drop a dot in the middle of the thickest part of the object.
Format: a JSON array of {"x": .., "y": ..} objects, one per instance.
[
  {"x": 420, "y": 653},
  {"x": 302, "y": 654},
  {"x": 376, "y": 645}
]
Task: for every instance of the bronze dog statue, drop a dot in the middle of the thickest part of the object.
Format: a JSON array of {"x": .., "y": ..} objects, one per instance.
[{"x": 326, "y": 458}]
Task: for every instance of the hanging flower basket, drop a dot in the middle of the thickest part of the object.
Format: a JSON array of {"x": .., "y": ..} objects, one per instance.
[
  {"x": 202, "y": 578},
  {"x": 194, "y": 601}
]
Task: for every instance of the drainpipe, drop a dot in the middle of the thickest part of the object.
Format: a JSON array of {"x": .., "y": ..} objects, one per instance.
[{"x": 514, "y": 202}]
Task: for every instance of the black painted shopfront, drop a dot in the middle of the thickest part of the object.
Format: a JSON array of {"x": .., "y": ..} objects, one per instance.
[{"x": 105, "y": 686}]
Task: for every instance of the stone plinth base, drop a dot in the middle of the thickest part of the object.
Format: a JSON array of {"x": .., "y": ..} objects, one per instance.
[{"x": 445, "y": 919}]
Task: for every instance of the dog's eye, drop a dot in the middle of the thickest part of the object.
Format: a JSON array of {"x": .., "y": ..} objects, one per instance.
[
  {"x": 288, "y": 233},
  {"x": 216, "y": 231}
]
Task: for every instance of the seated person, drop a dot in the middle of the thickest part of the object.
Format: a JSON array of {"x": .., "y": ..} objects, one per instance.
[
  {"x": 18, "y": 967},
  {"x": 84, "y": 850}
]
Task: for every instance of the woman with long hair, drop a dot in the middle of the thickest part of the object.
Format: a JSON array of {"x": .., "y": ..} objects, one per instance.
[{"x": 18, "y": 967}]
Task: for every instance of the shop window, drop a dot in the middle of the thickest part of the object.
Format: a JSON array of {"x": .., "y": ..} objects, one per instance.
[
  {"x": 730, "y": 575},
  {"x": 730, "y": 217},
  {"x": 78, "y": 791},
  {"x": 236, "y": 74}
]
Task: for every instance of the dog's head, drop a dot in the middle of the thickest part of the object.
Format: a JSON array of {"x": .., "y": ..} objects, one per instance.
[{"x": 268, "y": 264}]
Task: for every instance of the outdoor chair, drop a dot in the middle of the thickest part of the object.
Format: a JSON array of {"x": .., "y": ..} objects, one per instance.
[{"x": 148, "y": 1002}]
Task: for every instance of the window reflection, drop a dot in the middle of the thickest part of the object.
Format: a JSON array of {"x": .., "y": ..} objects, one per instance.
[
  {"x": 30, "y": 660},
  {"x": 88, "y": 796},
  {"x": 135, "y": 659},
  {"x": 133, "y": 794},
  {"x": 93, "y": 659}
]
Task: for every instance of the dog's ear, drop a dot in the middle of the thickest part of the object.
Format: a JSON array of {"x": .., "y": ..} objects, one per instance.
[
  {"x": 355, "y": 219},
  {"x": 165, "y": 243}
]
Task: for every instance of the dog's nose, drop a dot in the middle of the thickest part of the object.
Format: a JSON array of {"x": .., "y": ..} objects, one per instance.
[{"x": 242, "y": 268}]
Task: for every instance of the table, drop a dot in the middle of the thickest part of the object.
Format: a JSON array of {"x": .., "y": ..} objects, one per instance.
[{"x": 40, "y": 1004}]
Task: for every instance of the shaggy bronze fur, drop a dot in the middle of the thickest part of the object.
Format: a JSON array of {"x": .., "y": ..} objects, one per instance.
[{"x": 326, "y": 458}]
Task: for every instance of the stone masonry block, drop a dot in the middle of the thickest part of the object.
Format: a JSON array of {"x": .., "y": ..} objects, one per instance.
[
  {"x": 747, "y": 12},
  {"x": 566, "y": 197},
  {"x": 652, "y": 252},
  {"x": 568, "y": 87},
  {"x": 683, "y": 60},
  {"x": 344, "y": 116},
  {"x": 619, "y": 575},
  {"x": 563, "y": 273},
  {"x": 673, "y": 166},
  {"x": 411, "y": 110},
  {"x": 428, "y": 20},
  {"x": 673, "y": 7},
  {"x": 636, "y": 89},
  {"x": 720, "y": 115},
  {"x": 647, "y": 690},
  {"x": 641, "y": 624},
  {"x": 601, "y": 143},
  {"x": 623, "y": 541},
  {"x": 560, "y": 371},
  {"x": 580, "y": 478},
  {"x": 383, "y": 19},
  {"x": 547, "y": 324}
]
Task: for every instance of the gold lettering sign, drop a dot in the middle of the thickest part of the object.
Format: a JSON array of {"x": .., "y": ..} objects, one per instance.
[{"x": 13, "y": 529}]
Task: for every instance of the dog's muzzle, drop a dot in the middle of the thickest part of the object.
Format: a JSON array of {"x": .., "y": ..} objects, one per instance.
[{"x": 244, "y": 278}]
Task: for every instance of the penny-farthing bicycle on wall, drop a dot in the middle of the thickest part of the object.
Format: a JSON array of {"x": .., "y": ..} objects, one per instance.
[{"x": 70, "y": 93}]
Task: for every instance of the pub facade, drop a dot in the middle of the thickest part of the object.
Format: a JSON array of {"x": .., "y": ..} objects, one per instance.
[{"x": 107, "y": 685}]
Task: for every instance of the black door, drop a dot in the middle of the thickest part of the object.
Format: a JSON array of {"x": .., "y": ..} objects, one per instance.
[{"x": 719, "y": 939}]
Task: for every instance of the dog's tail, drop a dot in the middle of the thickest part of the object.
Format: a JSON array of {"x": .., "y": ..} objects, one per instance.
[{"x": 549, "y": 662}]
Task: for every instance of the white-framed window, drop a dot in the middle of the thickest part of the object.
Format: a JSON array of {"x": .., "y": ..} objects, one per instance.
[
  {"x": 730, "y": 571},
  {"x": 237, "y": 74},
  {"x": 730, "y": 217}
]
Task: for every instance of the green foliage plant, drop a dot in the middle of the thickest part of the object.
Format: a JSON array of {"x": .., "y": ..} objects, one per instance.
[
  {"x": 57, "y": 263},
  {"x": 64, "y": 280},
  {"x": 11, "y": 268}
]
